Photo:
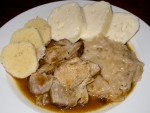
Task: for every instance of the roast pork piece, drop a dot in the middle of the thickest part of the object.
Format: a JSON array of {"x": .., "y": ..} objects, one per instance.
[
  {"x": 71, "y": 78},
  {"x": 64, "y": 96},
  {"x": 63, "y": 49},
  {"x": 74, "y": 71},
  {"x": 41, "y": 81}
]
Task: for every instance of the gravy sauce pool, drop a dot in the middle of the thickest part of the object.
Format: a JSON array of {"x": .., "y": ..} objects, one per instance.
[{"x": 92, "y": 105}]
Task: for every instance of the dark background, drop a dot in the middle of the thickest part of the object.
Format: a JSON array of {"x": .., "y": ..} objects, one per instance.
[{"x": 11, "y": 8}]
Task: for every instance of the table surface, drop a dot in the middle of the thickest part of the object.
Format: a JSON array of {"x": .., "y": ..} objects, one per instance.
[{"x": 11, "y": 8}]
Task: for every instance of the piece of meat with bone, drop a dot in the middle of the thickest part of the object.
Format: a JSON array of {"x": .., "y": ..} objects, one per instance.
[
  {"x": 63, "y": 49},
  {"x": 41, "y": 81},
  {"x": 74, "y": 71},
  {"x": 120, "y": 67}
]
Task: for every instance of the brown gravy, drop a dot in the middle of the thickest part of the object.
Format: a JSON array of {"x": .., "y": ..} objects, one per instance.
[{"x": 92, "y": 105}]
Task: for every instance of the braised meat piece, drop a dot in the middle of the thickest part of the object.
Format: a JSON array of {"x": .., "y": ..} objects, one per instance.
[
  {"x": 71, "y": 79},
  {"x": 63, "y": 49},
  {"x": 64, "y": 96},
  {"x": 74, "y": 71},
  {"x": 41, "y": 81},
  {"x": 99, "y": 87}
]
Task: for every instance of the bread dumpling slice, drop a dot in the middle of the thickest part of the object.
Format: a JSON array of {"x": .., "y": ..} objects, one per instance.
[
  {"x": 42, "y": 26},
  {"x": 19, "y": 59},
  {"x": 30, "y": 35},
  {"x": 67, "y": 22},
  {"x": 45, "y": 32},
  {"x": 37, "y": 22},
  {"x": 98, "y": 16},
  {"x": 123, "y": 27}
]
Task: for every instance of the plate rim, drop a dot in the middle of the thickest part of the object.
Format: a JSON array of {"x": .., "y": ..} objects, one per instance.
[{"x": 58, "y": 2}]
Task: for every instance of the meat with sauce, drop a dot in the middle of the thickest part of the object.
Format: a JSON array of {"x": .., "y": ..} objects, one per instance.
[
  {"x": 64, "y": 96},
  {"x": 72, "y": 77},
  {"x": 99, "y": 88},
  {"x": 41, "y": 81},
  {"x": 120, "y": 68},
  {"x": 63, "y": 49},
  {"x": 74, "y": 71},
  {"x": 67, "y": 75},
  {"x": 56, "y": 52}
]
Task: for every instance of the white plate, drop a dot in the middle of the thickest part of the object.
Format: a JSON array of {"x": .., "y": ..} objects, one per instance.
[{"x": 137, "y": 102}]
